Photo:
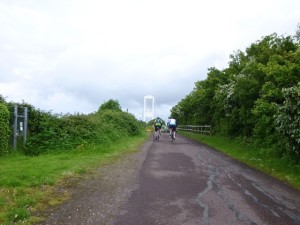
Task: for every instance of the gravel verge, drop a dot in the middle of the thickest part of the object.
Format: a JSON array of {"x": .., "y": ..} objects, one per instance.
[{"x": 98, "y": 197}]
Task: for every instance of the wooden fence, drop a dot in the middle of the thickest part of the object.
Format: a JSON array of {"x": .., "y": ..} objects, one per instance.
[{"x": 202, "y": 129}]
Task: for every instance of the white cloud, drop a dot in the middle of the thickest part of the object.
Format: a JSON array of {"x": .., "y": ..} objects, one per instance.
[{"x": 70, "y": 56}]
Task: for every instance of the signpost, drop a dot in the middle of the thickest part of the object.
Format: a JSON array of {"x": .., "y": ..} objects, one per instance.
[{"x": 20, "y": 125}]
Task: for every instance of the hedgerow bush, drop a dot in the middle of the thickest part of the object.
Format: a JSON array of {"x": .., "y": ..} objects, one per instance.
[
  {"x": 57, "y": 133},
  {"x": 4, "y": 128},
  {"x": 50, "y": 132},
  {"x": 121, "y": 121}
]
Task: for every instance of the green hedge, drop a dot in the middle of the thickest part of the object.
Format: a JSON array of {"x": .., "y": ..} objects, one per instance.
[
  {"x": 4, "y": 128},
  {"x": 49, "y": 132}
]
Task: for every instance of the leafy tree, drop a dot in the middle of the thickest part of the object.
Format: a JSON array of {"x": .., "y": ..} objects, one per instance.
[
  {"x": 288, "y": 118},
  {"x": 246, "y": 91},
  {"x": 110, "y": 105},
  {"x": 177, "y": 112},
  {"x": 264, "y": 131},
  {"x": 241, "y": 100},
  {"x": 2, "y": 99},
  {"x": 197, "y": 107},
  {"x": 297, "y": 35},
  {"x": 224, "y": 105}
]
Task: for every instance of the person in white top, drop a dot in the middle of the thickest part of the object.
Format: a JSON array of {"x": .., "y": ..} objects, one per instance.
[{"x": 172, "y": 125}]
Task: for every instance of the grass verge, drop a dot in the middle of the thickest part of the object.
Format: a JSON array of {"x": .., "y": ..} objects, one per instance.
[
  {"x": 282, "y": 168},
  {"x": 27, "y": 184}
]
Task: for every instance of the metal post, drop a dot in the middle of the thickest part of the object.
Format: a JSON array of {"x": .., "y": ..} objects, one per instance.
[
  {"x": 15, "y": 126},
  {"x": 25, "y": 124}
]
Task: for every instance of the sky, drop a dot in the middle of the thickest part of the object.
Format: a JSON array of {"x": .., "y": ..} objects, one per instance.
[{"x": 70, "y": 56}]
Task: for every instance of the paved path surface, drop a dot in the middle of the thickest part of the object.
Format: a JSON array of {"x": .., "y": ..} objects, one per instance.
[{"x": 182, "y": 183}]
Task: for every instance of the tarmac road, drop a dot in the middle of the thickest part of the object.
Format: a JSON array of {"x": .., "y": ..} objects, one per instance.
[
  {"x": 188, "y": 183},
  {"x": 184, "y": 183}
]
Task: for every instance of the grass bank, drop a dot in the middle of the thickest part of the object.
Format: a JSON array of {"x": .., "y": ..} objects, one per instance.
[
  {"x": 282, "y": 168},
  {"x": 27, "y": 183}
]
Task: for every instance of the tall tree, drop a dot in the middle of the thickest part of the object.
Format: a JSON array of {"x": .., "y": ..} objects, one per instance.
[
  {"x": 241, "y": 100},
  {"x": 110, "y": 105}
]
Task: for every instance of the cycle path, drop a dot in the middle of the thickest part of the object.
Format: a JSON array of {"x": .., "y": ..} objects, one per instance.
[
  {"x": 187, "y": 183},
  {"x": 180, "y": 183}
]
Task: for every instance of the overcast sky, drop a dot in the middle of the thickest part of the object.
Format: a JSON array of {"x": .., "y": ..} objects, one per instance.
[{"x": 70, "y": 56}]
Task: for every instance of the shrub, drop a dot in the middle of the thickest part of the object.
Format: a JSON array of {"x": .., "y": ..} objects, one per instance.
[
  {"x": 110, "y": 105},
  {"x": 56, "y": 133},
  {"x": 123, "y": 122},
  {"x": 288, "y": 118},
  {"x": 4, "y": 128}
]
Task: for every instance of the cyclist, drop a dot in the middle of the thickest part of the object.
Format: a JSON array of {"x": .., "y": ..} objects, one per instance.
[
  {"x": 157, "y": 125},
  {"x": 172, "y": 126}
]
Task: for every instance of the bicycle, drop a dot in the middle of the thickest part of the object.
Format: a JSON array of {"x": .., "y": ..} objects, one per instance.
[
  {"x": 156, "y": 135},
  {"x": 173, "y": 134}
]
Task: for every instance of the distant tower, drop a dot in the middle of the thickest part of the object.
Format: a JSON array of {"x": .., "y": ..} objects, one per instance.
[{"x": 148, "y": 108}]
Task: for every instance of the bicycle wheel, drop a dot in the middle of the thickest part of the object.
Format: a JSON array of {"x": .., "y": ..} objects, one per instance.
[
  {"x": 172, "y": 135},
  {"x": 156, "y": 136}
]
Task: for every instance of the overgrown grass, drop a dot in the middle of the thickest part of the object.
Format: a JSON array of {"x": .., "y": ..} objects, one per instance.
[
  {"x": 27, "y": 183},
  {"x": 282, "y": 168}
]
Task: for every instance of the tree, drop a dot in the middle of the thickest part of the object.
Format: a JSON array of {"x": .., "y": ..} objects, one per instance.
[
  {"x": 110, "y": 105},
  {"x": 288, "y": 118},
  {"x": 252, "y": 97},
  {"x": 2, "y": 99},
  {"x": 297, "y": 35},
  {"x": 198, "y": 107}
]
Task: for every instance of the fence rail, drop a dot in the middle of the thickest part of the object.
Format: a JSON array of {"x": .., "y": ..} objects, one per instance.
[{"x": 203, "y": 129}]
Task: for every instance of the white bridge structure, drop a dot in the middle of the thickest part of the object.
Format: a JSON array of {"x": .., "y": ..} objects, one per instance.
[{"x": 149, "y": 110}]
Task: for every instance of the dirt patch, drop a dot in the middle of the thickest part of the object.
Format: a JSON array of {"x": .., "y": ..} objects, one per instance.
[{"x": 98, "y": 197}]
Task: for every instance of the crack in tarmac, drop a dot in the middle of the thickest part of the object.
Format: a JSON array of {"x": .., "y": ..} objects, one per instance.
[{"x": 214, "y": 172}]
